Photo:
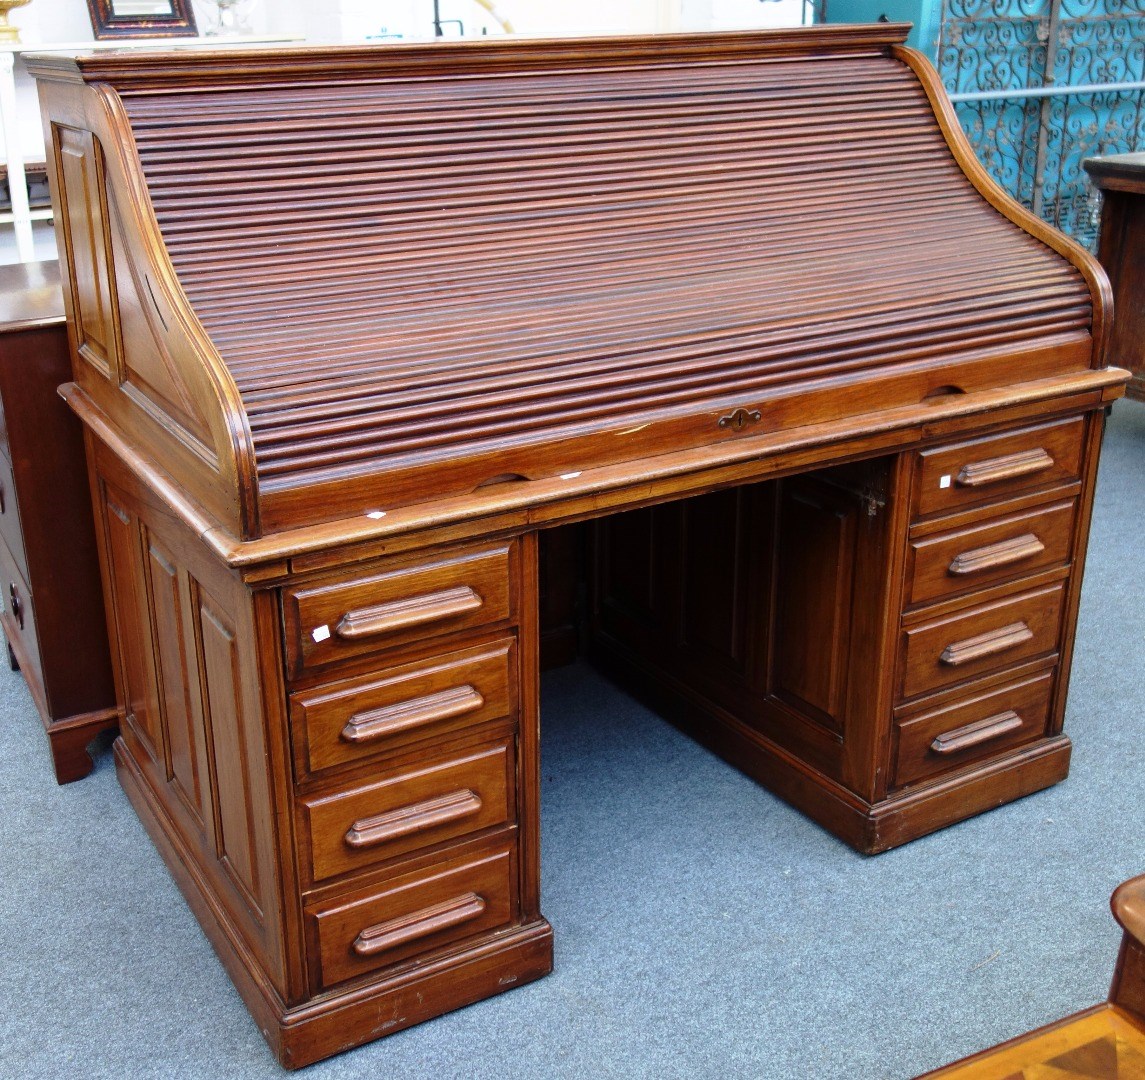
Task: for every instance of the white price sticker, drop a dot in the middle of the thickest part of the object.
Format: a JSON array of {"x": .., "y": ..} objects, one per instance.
[{"x": 320, "y": 633}]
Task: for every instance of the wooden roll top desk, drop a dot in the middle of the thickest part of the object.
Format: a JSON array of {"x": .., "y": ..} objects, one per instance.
[{"x": 362, "y": 336}]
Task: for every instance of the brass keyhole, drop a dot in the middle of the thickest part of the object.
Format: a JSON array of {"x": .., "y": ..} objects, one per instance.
[{"x": 739, "y": 419}]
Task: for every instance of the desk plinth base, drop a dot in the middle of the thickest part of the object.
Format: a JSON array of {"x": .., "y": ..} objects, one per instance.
[{"x": 337, "y": 1021}]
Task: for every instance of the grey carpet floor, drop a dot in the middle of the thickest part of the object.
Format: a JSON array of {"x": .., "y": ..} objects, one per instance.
[{"x": 703, "y": 927}]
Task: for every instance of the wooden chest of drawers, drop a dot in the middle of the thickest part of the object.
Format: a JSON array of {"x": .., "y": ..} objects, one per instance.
[{"x": 53, "y": 607}]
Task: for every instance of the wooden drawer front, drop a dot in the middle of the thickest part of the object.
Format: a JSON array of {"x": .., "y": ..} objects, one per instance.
[
  {"x": 984, "y": 639},
  {"x": 949, "y": 477},
  {"x": 10, "y": 516},
  {"x": 419, "y": 806},
  {"x": 971, "y": 731},
  {"x": 414, "y": 914},
  {"x": 337, "y": 620},
  {"x": 1000, "y": 549},
  {"x": 359, "y": 718},
  {"x": 19, "y": 617}
]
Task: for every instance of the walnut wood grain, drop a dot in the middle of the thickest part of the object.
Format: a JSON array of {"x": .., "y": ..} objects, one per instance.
[
  {"x": 985, "y": 645},
  {"x": 972, "y": 735},
  {"x": 407, "y": 613},
  {"x": 419, "y": 924},
  {"x": 417, "y": 817},
  {"x": 1010, "y": 467},
  {"x": 993, "y": 556},
  {"x": 406, "y": 715}
]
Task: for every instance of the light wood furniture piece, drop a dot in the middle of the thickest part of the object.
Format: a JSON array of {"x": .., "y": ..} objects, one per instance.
[
  {"x": 53, "y": 612},
  {"x": 1121, "y": 249},
  {"x": 1106, "y": 1042},
  {"x": 745, "y": 303}
]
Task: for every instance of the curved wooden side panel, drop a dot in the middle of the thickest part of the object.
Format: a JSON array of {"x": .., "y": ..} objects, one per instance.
[
  {"x": 140, "y": 353},
  {"x": 968, "y": 161}
]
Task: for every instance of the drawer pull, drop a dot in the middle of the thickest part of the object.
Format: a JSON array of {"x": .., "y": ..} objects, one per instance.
[
  {"x": 993, "y": 556},
  {"x": 406, "y": 715},
  {"x": 411, "y": 611},
  {"x": 983, "y": 645},
  {"x": 418, "y": 924},
  {"x": 1010, "y": 467},
  {"x": 981, "y": 731},
  {"x": 417, "y": 817}
]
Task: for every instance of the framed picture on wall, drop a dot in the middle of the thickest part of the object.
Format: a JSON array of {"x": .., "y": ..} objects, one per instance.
[{"x": 142, "y": 18}]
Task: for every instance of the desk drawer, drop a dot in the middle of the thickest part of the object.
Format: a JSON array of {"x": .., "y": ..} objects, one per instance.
[
  {"x": 353, "y": 615},
  {"x": 948, "y": 478},
  {"x": 356, "y": 719},
  {"x": 971, "y": 730},
  {"x": 19, "y": 618},
  {"x": 998, "y": 550},
  {"x": 415, "y": 914},
  {"x": 10, "y": 529},
  {"x": 983, "y": 639},
  {"x": 421, "y": 805}
]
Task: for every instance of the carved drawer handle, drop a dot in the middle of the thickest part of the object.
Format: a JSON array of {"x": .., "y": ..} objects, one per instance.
[
  {"x": 407, "y": 715},
  {"x": 415, "y": 818},
  {"x": 981, "y": 731},
  {"x": 983, "y": 645},
  {"x": 411, "y": 611},
  {"x": 418, "y": 924},
  {"x": 1009, "y": 467},
  {"x": 993, "y": 556}
]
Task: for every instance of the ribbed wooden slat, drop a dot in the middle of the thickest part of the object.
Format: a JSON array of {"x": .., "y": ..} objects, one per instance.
[{"x": 554, "y": 252}]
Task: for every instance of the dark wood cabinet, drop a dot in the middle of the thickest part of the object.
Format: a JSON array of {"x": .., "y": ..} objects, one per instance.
[
  {"x": 53, "y": 606},
  {"x": 1121, "y": 249}
]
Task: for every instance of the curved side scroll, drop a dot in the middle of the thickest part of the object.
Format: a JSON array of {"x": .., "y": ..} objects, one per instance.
[
  {"x": 968, "y": 162},
  {"x": 158, "y": 378}
]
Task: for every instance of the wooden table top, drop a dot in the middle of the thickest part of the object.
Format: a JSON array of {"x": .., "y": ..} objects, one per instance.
[{"x": 30, "y": 295}]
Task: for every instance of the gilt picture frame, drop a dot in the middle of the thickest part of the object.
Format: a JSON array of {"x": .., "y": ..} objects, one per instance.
[{"x": 142, "y": 18}]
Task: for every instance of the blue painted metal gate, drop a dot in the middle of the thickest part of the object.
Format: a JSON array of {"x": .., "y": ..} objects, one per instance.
[{"x": 1039, "y": 85}]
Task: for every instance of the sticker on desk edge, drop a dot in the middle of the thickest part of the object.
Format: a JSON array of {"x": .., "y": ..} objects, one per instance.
[
  {"x": 376, "y": 515},
  {"x": 320, "y": 633},
  {"x": 944, "y": 481}
]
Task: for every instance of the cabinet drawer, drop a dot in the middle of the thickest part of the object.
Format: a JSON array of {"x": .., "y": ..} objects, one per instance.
[
  {"x": 950, "y": 477},
  {"x": 19, "y": 619},
  {"x": 353, "y": 615},
  {"x": 10, "y": 529},
  {"x": 981, "y": 640},
  {"x": 417, "y": 913},
  {"x": 997, "y": 550},
  {"x": 421, "y": 805},
  {"x": 971, "y": 730},
  {"x": 359, "y": 718}
]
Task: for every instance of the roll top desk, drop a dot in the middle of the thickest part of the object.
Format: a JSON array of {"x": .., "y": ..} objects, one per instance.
[{"x": 359, "y": 334}]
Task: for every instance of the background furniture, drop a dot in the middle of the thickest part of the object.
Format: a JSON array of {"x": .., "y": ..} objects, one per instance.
[
  {"x": 629, "y": 273},
  {"x": 1121, "y": 249},
  {"x": 1106, "y": 1042},
  {"x": 53, "y": 606}
]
